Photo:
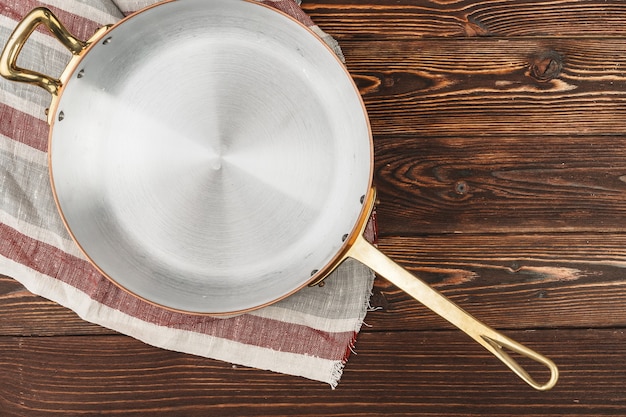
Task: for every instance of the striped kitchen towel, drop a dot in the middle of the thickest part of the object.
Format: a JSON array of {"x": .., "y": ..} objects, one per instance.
[{"x": 309, "y": 334}]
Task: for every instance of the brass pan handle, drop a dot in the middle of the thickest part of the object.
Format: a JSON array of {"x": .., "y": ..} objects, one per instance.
[
  {"x": 8, "y": 60},
  {"x": 494, "y": 342}
]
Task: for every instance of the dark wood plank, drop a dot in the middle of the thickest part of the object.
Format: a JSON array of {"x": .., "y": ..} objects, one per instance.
[
  {"x": 492, "y": 87},
  {"x": 394, "y": 374},
  {"x": 402, "y": 19},
  {"x": 22, "y": 313},
  {"x": 510, "y": 281},
  {"x": 501, "y": 184}
]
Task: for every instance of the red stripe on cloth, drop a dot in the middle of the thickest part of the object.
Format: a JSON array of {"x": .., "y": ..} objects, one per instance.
[
  {"x": 23, "y": 128},
  {"x": 45, "y": 258},
  {"x": 291, "y": 8},
  {"x": 246, "y": 329},
  {"x": 78, "y": 26}
]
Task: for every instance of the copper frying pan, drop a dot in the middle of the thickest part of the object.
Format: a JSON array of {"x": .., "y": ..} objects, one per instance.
[{"x": 214, "y": 156}]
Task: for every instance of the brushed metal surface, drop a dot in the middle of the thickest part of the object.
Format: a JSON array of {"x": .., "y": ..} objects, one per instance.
[{"x": 210, "y": 155}]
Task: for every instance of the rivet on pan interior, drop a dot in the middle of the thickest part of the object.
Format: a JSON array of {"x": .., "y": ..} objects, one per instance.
[
  {"x": 61, "y": 116},
  {"x": 362, "y": 198},
  {"x": 80, "y": 74},
  {"x": 107, "y": 40},
  {"x": 344, "y": 237},
  {"x": 315, "y": 271}
]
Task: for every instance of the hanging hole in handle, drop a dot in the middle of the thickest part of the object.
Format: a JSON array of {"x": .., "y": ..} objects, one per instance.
[{"x": 525, "y": 362}]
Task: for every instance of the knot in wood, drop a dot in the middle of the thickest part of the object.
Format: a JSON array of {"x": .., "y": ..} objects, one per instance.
[
  {"x": 461, "y": 188},
  {"x": 546, "y": 66}
]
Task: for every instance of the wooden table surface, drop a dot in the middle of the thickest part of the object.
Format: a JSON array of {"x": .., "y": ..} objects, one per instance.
[{"x": 499, "y": 131}]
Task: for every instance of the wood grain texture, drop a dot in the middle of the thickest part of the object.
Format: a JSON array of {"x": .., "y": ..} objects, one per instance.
[
  {"x": 491, "y": 87},
  {"x": 25, "y": 314},
  {"x": 501, "y": 184},
  {"x": 394, "y": 374},
  {"x": 510, "y": 281},
  {"x": 410, "y": 19}
]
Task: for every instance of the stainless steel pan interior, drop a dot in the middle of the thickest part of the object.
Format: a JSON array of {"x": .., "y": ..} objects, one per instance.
[
  {"x": 210, "y": 169},
  {"x": 214, "y": 156}
]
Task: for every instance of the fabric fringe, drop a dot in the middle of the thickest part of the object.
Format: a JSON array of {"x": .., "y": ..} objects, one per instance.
[
  {"x": 336, "y": 373},
  {"x": 338, "y": 368}
]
